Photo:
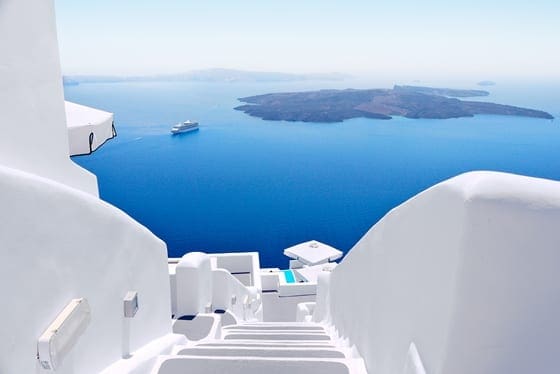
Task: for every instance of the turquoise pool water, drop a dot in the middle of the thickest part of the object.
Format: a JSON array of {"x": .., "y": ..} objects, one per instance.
[{"x": 289, "y": 276}]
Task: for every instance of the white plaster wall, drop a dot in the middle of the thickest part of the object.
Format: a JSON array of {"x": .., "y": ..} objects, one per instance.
[
  {"x": 236, "y": 262},
  {"x": 241, "y": 262},
  {"x": 32, "y": 117},
  {"x": 282, "y": 308},
  {"x": 467, "y": 271},
  {"x": 58, "y": 243},
  {"x": 506, "y": 318}
]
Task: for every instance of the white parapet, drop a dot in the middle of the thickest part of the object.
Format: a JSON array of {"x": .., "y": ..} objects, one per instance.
[
  {"x": 245, "y": 266},
  {"x": 321, "y": 309},
  {"x": 467, "y": 270}
]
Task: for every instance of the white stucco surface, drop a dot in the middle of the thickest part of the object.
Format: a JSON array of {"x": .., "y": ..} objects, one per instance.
[
  {"x": 58, "y": 244},
  {"x": 32, "y": 117},
  {"x": 244, "y": 265},
  {"x": 467, "y": 271}
]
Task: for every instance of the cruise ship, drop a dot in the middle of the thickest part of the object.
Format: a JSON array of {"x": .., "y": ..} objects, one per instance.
[
  {"x": 460, "y": 279},
  {"x": 186, "y": 126}
]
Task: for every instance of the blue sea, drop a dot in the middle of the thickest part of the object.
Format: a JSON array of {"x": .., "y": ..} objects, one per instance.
[{"x": 245, "y": 184}]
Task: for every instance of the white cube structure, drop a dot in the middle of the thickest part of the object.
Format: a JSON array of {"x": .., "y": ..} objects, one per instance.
[
  {"x": 193, "y": 276},
  {"x": 88, "y": 128}
]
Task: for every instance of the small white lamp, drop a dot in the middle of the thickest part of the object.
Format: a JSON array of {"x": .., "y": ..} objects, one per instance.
[{"x": 63, "y": 333}]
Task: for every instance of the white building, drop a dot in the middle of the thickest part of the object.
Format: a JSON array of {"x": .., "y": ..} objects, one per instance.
[{"x": 460, "y": 279}]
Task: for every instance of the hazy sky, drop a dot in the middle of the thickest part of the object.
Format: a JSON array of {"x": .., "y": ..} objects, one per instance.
[{"x": 472, "y": 38}]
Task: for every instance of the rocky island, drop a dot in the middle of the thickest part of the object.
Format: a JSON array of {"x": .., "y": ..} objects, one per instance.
[
  {"x": 406, "y": 101},
  {"x": 486, "y": 83}
]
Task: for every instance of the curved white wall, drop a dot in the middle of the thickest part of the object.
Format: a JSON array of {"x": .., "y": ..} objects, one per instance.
[
  {"x": 58, "y": 243},
  {"x": 32, "y": 117},
  {"x": 467, "y": 271}
]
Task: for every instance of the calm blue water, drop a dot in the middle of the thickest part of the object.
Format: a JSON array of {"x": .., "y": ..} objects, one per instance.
[{"x": 244, "y": 184}]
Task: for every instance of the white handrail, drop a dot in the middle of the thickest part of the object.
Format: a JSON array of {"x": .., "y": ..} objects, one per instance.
[{"x": 230, "y": 294}]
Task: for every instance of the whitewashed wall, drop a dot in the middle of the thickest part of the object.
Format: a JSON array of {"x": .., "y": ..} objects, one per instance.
[
  {"x": 58, "y": 243},
  {"x": 32, "y": 118},
  {"x": 467, "y": 271}
]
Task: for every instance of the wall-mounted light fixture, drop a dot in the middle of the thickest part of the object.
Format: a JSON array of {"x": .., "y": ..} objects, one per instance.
[
  {"x": 130, "y": 304},
  {"x": 63, "y": 333},
  {"x": 130, "y": 307}
]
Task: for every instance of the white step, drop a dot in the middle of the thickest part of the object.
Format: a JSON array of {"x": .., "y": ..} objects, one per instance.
[
  {"x": 282, "y": 324},
  {"x": 234, "y": 351},
  {"x": 244, "y": 365},
  {"x": 266, "y": 343},
  {"x": 274, "y": 327},
  {"x": 272, "y": 331},
  {"x": 276, "y": 336}
]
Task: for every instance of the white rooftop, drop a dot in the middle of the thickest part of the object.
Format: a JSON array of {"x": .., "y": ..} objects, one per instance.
[
  {"x": 313, "y": 252},
  {"x": 311, "y": 273},
  {"x": 83, "y": 121}
]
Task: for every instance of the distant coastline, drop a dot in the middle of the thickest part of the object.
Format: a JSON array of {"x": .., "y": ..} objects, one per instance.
[
  {"x": 486, "y": 83},
  {"x": 405, "y": 101},
  {"x": 207, "y": 75}
]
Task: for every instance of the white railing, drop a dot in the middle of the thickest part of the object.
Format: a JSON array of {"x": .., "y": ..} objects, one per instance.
[{"x": 230, "y": 294}]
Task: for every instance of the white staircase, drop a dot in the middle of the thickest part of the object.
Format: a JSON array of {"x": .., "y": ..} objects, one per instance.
[
  {"x": 221, "y": 319},
  {"x": 264, "y": 347}
]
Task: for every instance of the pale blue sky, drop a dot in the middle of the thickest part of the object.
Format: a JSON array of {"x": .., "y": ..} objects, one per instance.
[{"x": 422, "y": 38}]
